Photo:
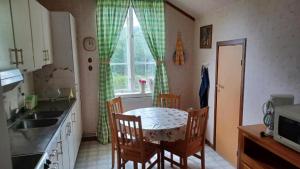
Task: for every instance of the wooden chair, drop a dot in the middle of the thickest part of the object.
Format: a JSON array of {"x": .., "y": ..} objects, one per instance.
[
  {"x": 113, "y": 106},
  {"x": 168, "y": 100},
  {"x": 131, "y": 144},
  {"x": 194, "y": 140}
]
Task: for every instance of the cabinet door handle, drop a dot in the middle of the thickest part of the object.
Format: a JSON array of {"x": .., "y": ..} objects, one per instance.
[
  {"x": 22, "y": 57},
  {"x": 73, "y": 117},
  {"x": 45, "y": 55},
  {"x": 15, "y": 61},
  {"x": 48, "y": 58}
]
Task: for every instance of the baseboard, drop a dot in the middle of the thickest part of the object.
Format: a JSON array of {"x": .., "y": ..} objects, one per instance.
[
  {"x": 91, "y": 138},
  {"x": 209, "y": 143}
]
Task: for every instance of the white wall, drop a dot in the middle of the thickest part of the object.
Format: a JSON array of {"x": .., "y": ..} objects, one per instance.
[{"x": 273, "y": 51}]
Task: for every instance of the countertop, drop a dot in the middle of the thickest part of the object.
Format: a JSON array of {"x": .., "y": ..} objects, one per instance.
[{"x": 36, "y": 140}]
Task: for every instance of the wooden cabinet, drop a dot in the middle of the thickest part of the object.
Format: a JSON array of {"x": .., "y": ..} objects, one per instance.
[
  {"x": 256, "y": 152},
  {"x": 6, "y": 36}
]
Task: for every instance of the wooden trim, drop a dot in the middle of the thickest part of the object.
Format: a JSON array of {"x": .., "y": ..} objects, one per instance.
[
  {"x": 242, "y": 42},
  {"x": 90, "y": 138},
  {"x": 180, "y": 10}
]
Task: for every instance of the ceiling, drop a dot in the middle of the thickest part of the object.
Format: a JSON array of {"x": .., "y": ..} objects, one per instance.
[{"x": 197, "y": 7}]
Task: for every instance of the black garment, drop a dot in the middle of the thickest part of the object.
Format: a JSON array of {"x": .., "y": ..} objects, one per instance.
[{"x": 203, "y": 92}]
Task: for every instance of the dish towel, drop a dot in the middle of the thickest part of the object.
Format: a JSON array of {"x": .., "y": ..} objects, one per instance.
[
  {"x": 204, "y": 87},
  {"x": 179, "y": 53}
]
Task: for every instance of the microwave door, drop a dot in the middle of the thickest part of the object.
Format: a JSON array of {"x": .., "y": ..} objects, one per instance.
[{"x": 289, "y": 129}]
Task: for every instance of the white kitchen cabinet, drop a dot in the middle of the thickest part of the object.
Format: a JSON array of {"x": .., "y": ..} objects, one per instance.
[
  {"x": 22, "y": 34},
  {"x": 37, "y": 33},
  {"x": 70, "y": 138},
  {"x": 6, "y": 36},
  {"x": 47, "y": 39},
  {"x": 65, "y": 136},
  {"x": 32, "y": 35}
]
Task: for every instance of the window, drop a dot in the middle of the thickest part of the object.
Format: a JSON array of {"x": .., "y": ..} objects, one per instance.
[{"x": 132, "y": 59}]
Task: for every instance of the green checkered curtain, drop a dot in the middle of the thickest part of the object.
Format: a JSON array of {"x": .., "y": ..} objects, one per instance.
[
  {"x": 151, "y": 15},
  {"x": 111, "y": 15}
]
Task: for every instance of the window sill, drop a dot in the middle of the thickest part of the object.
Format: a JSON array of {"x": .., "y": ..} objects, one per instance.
[{"x": 134, "y": 95}]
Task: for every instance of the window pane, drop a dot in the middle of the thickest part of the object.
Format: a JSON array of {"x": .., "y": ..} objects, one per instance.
[
  {"x": 119, "y": 62},
  {"x": 143, "y": 71},
  {"x": 120, "y": 78},
  {"x": 144, "y": 65}
]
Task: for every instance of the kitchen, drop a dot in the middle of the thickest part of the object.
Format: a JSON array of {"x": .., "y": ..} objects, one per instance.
[{"x": 40, "y": 85}]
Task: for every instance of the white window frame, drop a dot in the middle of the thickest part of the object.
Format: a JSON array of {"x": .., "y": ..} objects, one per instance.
[{"x": 130, "y": 60}]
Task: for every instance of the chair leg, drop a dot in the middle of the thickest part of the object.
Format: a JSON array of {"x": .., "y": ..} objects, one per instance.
[
  {"x": 185, "y": 164},
  {"x": 112, "y": 155},
  {"x": 171, "y": 159},
  {"x": 162, "y": 158},
  {"x": 203, "y": 159},
  {"x": 135, "y": 166},
  {"x": 119, "y": 161},
  {"x": 158, "y": 160},
  {"x": 143, "y": 166}
]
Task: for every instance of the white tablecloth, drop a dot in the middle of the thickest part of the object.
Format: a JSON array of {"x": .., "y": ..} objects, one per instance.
[{"x": 162, "y": 124}]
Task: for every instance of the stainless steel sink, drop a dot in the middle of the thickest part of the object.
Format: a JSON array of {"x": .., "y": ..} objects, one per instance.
[
  {"x": 27, "y": 124},
  {"x": 44, "y": 115}
]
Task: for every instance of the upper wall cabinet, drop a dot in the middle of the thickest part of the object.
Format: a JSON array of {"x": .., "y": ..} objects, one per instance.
[
  {"x": 22, "y": 32},
  {"x": 48, "y": 54},
  {"x": 7, "y": 54},
  {"x": 25, "y": 35},
  {"x": 41, "y": 34}
]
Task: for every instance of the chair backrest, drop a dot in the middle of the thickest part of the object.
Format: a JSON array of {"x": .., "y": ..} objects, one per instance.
[
  {"x": 114, "y": 106},
  {"x": 168, "y": 100},
  {"x": 196, "y": 125},
  {"x": 129, "y": 133}
]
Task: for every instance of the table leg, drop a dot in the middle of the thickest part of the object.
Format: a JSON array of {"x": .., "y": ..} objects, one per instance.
[{"x": 162, "y": 156}]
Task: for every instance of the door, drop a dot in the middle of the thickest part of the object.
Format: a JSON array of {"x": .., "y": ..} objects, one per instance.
[
  {"x": 37, "y": 33},
  {"x": 47, "y": 36},
  {"x": 229, "y": 97},
  {"x": 65, "y": 134},
  {"x": 22, "y": 32},
  {"x": 6, "y": 36}
]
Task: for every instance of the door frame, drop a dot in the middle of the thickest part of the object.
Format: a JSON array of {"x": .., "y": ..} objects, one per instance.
[{"x": 235, "y": 42}]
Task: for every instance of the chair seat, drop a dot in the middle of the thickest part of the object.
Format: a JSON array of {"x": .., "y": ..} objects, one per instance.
[
  {"x": 180, "y": 148},
  {"x": 150, "y": 149}
]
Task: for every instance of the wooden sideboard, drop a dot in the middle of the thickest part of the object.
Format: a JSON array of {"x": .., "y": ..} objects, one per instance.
[{"x": 256, "y": 152}]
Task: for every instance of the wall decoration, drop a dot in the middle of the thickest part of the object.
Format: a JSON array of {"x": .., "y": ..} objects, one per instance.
[
  {"x": 179, "y": 52},
  {"x": 206, "y": 36},
  {"x": 89, "y": 44}
]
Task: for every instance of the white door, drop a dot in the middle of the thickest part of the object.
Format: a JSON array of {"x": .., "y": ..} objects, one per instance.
[
  {"x": 6, "y": 36},
  {"x": 47, "y": 36},
  {"x": 22, "y": 33},
  {"x": 37, "y": 33}
]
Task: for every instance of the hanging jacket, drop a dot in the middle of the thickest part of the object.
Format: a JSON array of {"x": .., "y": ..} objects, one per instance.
[{"x": 204, "y": 88}]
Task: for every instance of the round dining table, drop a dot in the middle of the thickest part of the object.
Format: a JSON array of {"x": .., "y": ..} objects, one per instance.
[{"x": 162, "y": 124}]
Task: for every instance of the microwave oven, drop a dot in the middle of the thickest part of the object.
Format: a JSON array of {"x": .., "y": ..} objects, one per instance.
[{"x": 287, "y": 126}]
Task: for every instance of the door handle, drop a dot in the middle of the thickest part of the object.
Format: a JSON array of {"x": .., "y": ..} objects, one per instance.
[
  {"x": 22, "y": 57},
  {"x": 15, "y": 61}
]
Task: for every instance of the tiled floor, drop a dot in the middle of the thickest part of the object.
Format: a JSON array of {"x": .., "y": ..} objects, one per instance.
[{"x": 93, "y": 155}]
